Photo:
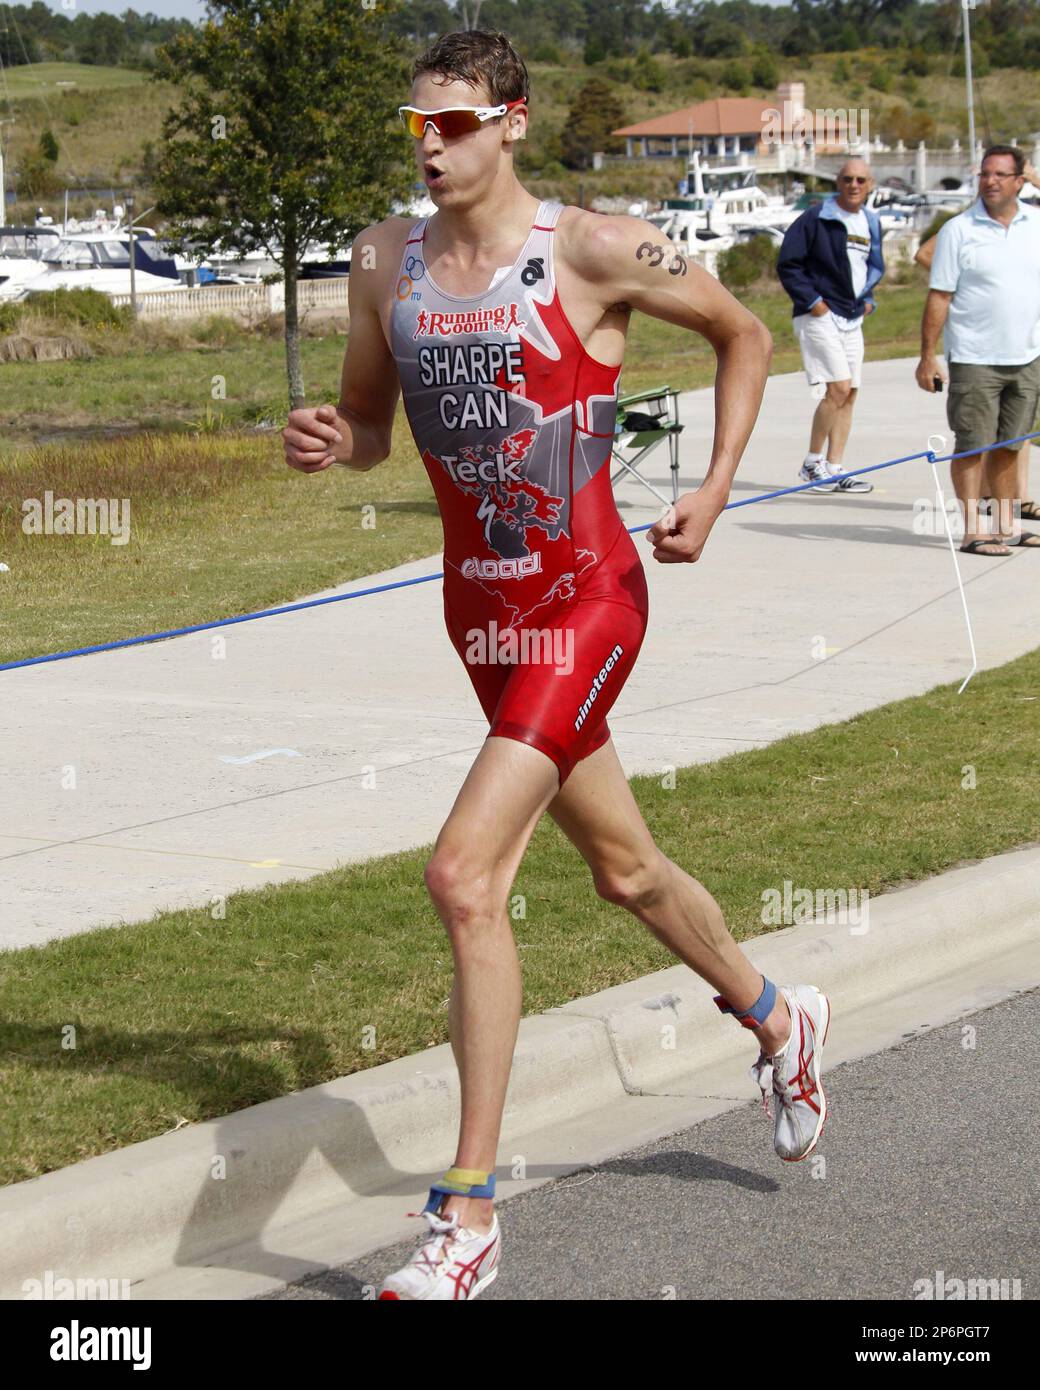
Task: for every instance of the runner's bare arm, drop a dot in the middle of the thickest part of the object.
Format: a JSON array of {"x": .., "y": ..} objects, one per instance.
[
  {"x": 632, "y": 263},
  {"x": 370, "y": 387},
  {"x": 357, "y": 431}
]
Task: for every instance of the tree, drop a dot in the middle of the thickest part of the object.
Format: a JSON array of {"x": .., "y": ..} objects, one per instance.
[
  {"x": 594, "y": 113},
  {"x": 287, "y": 134},
  {"x": 103, "y": 40},
  {"x": 735, "y": 76},
  {"x": 49, "y": 146},
  {"x": 36, "y": 181},
  {"x": 765, "y": 71}
]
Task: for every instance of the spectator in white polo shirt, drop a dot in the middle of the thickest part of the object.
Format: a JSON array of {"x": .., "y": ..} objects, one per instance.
[{"x": 984, "y": 297}]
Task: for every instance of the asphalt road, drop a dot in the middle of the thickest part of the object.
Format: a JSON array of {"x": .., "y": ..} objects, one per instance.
[{"x": 930, "y": 1162}]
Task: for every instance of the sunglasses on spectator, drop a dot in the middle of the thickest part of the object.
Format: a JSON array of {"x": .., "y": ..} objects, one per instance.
[
  {"x": 854, "y": 178},
  {"x": 450, "y": 121}
]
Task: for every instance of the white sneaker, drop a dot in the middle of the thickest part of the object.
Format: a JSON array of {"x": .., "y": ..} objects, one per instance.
[
  {"x": 846, "y": 484},
  {"x": 817, "y": 473},
  {"x": 794, "y": 1074},
  {"x": 453, "y": 1263}
]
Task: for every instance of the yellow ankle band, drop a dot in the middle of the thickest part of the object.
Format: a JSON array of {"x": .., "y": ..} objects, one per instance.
[{"x": 464, "y": 1178}]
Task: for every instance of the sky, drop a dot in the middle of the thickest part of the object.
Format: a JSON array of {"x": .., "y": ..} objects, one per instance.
[{"x": 166, "y": 9}]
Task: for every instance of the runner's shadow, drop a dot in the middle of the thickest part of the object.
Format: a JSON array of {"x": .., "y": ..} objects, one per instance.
[{"x": 690, "y": 1167}]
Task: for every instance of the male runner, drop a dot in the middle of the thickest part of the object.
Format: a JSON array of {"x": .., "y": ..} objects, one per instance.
[{"x": 504, "y": 320}]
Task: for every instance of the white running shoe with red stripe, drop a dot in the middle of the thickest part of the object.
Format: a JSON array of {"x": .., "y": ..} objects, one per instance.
[
  {"x": 794, "y": 1074},
  {"x": 453, "y": 1263}
]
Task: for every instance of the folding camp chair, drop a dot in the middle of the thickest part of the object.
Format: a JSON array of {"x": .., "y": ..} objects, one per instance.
[{"x": 643, "y": 421}]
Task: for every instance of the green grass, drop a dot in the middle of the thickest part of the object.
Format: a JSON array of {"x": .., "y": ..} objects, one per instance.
[
  {"x": 187, "y": 1017},
  {"x": 45, "y": 79},
  {"x": 218, "y": 526},
  {"x": 161, "y": 376}
]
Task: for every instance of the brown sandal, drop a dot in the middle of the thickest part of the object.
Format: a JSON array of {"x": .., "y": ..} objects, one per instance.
[{"x": 1031, "y": 511}]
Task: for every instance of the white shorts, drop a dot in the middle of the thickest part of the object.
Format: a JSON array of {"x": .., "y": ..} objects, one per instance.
[{"x": 828, "y": 352}]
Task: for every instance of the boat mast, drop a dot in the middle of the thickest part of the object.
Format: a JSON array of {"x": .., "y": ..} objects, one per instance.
[{"x": 967, "y": 5}]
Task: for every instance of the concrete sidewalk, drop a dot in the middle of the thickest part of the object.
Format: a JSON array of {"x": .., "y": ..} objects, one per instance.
[
  {"x": 311, "y": 1180},
  {"x": 324, "y": 703}
]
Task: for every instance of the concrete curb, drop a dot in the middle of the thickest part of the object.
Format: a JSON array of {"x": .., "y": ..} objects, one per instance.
[{"x": 168, "y": 1203}]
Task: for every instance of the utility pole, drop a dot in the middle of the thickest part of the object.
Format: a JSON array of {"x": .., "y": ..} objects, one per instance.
[
  {"x": 967, "y": 5},
  {"x": 3, "y": 184}
]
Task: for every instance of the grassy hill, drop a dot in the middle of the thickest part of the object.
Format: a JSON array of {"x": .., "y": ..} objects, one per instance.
[
  {"x": 103, "y": 123},
  {"x": 44, "y": 80}
]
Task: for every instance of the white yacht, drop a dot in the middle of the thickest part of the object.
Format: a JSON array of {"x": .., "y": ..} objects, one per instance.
[
  {"x": 101, "y": 261},
  {"x": 22, "y": 252},
  {"x": 721, "y": 205}
]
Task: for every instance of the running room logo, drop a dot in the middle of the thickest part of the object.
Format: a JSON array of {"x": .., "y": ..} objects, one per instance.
[{"x": 500, "y": 318}]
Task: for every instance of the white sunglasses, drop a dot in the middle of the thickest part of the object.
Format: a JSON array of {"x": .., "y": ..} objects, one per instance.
[{"x": 452, "y": 120}]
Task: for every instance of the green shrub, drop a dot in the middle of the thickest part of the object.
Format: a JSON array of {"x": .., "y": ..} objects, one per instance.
[
  {"x": 880, "y": 78},
  {"x": 736, "y": 76},
  {"x": 90, "y": 308},
  {"x": 765, "y": 71},
  {"x": 547, "y": 52},
  {"x": 748, "y": 263}
]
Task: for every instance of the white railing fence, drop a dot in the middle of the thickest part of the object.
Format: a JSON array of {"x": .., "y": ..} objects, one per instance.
[{"x": 243, "y": 301}]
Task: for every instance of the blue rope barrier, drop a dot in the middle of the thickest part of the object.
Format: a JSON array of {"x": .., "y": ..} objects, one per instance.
[{"x": 427, "y": 578}]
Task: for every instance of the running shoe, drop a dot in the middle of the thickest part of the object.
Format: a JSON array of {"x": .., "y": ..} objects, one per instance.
[
  {"x": 817, "y": 473},
  {"x": 794, "y": 1075},
  {"x": 453, "y": 1263},
  {"x": 846, "y": 484}
]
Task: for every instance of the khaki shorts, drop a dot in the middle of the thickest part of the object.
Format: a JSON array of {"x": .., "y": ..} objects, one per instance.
[{"x": 987, "y": 404}]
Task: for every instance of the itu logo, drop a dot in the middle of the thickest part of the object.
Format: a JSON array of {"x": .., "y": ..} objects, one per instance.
[{"x": 413, "y": 270}]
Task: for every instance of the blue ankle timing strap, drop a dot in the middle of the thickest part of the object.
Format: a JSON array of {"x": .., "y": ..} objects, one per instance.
[
  {"x": 461, "y": 1182},
  {"x": 759, "y": 1011}
]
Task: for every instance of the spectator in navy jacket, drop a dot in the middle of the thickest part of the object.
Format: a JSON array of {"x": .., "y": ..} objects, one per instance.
[{"x": 829, "y": 264}]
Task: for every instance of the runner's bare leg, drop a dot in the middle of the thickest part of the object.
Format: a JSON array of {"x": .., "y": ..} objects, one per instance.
[
  {"x": 469, "y": 876},
  {"x": 596, "y": 809}
]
